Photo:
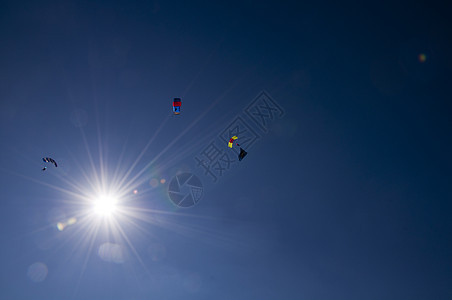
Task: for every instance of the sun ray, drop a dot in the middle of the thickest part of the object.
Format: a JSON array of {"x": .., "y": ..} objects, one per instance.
[
  {"x": 56, "y": 188},
  {"x": 99, "y": 202},
  {"x": 90, "y": 158},
  {"x": 124, "y": 236},
  {"x": 143, "y": 151},
  {"x": 187, "y": 128},
  {"x": 85, "y": 262},
  {"x": 115, "y": 179}
]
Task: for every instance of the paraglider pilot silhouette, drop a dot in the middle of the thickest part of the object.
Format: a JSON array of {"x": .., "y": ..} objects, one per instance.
[{"x": 242, "y": 153}]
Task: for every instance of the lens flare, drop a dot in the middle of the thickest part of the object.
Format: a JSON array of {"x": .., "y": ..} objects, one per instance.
[
  {"x": 105, "y": 205},
  {"x": 422, "y": 57}
]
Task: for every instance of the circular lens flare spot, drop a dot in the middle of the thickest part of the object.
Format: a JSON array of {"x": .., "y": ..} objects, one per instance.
[
  {"x": 60, "y": 226},
  {"x": 154, "y": 182},
  {"x": 422, "y": 57},
  {"x": 37, "y": 272}
]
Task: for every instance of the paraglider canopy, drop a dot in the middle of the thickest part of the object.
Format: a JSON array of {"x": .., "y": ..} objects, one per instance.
[
  {"x": 242, "y": 153},
  {"x": 176, "y": 106},
  {"x": 231, "y": 141},
  {"x": 49, "y": 160}
]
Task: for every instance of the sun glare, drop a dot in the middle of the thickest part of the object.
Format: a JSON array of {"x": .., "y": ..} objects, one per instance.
[{"x": 105, "y": 205}]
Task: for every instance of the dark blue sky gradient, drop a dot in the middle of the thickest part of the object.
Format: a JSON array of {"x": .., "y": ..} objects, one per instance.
[{"x": 347, "y": 196}]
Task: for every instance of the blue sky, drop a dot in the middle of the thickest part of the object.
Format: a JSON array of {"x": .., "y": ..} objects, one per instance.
[{"x": 344, "y": 194}]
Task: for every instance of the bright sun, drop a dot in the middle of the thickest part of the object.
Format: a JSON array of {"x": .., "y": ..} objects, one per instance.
[{"x": 105, "y": 205}]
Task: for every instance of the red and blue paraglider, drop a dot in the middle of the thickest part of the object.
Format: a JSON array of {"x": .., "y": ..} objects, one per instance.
[{"x": 176, "y": 106}]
